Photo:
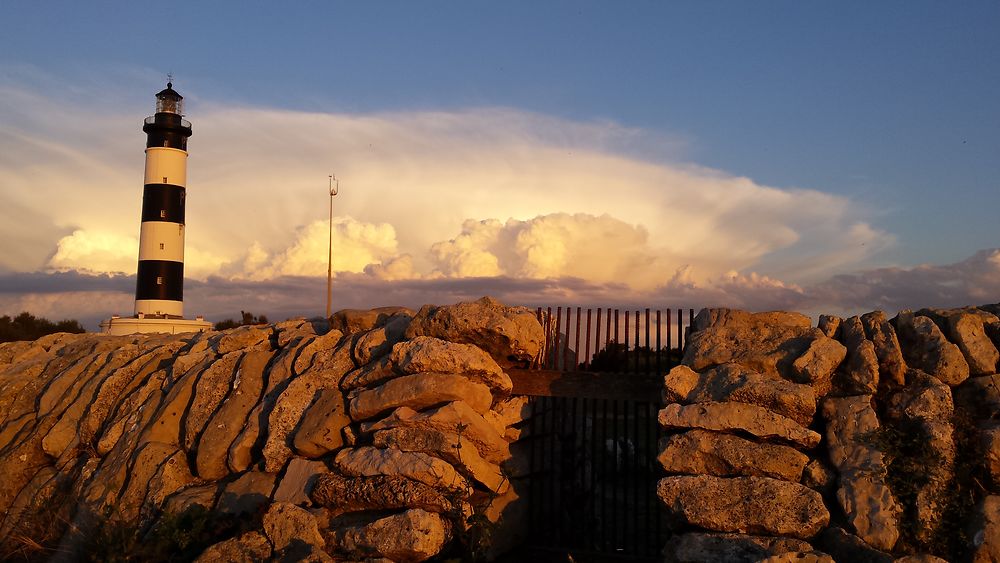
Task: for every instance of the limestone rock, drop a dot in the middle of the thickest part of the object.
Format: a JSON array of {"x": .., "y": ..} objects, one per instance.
[
  {"x": 353, "y": 321},
  {"x": 844, "y": 546},
  {"x": 891, "y": 365},
  {"x": 185, "y": 499},
  {"x": 830, "y": 325},
  {"x": 320, "y": 430},
  {"x": 247, "y": 493},
  {"x": 343, "y": 494},
  {"x": 292, "y": 531},
  {"x": 966, "y": 328},
  {"x": 211, "y": 389},
  {"x": 721, "y": 318},
  {"x": 723, "y": 455},
  {"x": 298, "y": 481},
  {"x": 368, "y": 461},
  {"x": 790, "y": 351},
  {"x": 732, "y": 382},
  {"x": 288, "y": 409},
  {"x": 250, "y": 547},
  {"x": 818, "y": 476},
  {"x": 379, "y": 341},
  {"x": 989, "y": 441},
  {"x": 926, "y": 397},
  {"x": 449, "y": 447},
  {"x": 985, "y": 531},
  {"x": 245, "y": 338},
  {"x": 321, "y": 345},
  {"x": 506, "y": 414},
  {"x": 448, "y": 418},
  {"x": 414, "y": 535},
  {"x": 859, "y": 372},
  {"x": 866, "y": 499},
  {"x": 425, "y": 354},
  {"x": 420, "y": 391},
  {"x": 512, "y": 335},
  {"x": 754, "y": 505},
  {"x": 227, "y": 422},
  {"x": 926, "y": 348},
  {"x": 698, "y": 547},
  {"x": 737, "y": 417},
  {"x": 921, "y": 558}
]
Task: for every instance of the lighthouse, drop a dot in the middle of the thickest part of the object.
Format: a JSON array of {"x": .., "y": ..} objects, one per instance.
[{"x": 159, "y": 286}]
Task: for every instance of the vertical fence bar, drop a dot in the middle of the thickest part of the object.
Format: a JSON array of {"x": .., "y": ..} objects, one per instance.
[
  {"x": 625, "y": 353},
  {"x": 607, "y": 332},
  {"x": 617, "y": 338},
  {"x": 556, "y": 353},
  {"x": 637, "y": 350},
  {"x": 649, "y": 358},
  {"x": 636, "y": 480},
  {"x": 652, "y": 507},
  {"x": 592, "y": 490},
  {"x": 603, "y": 482},
  {"x": 616, "y": 479},
  {"x": 548, "y": 338},
  {"x": 670, "y": 348},
  {"x": 586, "y": 357},
  {"x": 576, "y": 348},
  {"x": 566, "y": 366},
  {"x": 659, "y": 367},
  {"x": 597, "y": 339}
]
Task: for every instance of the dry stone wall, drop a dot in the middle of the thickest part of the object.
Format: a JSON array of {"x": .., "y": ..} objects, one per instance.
[
  {"x": 378, "y": 434},
  {"x": 863, "y": 439}
]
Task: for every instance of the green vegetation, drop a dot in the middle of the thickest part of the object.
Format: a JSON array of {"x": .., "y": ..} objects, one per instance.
[
  {"x": 246, "y": 318},
  {"x": 29, "y": 327},
  {"x": 174, "y": 537}
]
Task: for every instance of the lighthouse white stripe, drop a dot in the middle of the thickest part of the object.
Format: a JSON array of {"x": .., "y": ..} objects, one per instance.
[
  {"x": 166, "y": 166},
  {"x": 152, "y": 234},
  {"x": 159, "y": 307}
]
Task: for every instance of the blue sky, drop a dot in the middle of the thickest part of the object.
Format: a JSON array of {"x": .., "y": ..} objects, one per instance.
[{"x": 888, "y": 108}]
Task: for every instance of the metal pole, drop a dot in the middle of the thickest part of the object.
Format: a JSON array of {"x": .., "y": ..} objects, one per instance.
[{"x": 329, "y": 267}]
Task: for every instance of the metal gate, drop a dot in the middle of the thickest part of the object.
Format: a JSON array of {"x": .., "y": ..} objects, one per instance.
[{"x": 592, "y": 437}]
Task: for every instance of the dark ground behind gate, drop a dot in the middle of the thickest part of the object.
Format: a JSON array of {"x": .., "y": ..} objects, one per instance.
[{"x": 593, "y": 435}]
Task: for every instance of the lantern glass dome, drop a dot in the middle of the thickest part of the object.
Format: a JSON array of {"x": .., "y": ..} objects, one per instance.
[{"x": 169, "y": 101}]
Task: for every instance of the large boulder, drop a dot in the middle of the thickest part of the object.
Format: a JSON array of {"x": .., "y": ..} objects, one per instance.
[
  {"x": 748, "y": 505},
  {"x": 722, "y": 317},
  {"x": 425, "y": 354},
  {"x": 926, "y": 348},
  {"x": 420, "y": 391},
  {"x": 353, "y": 321},
  {"x": 699, "y": 452},
  {"x": 966, "y": 328},
  {"x": 342, "y": 494},
  {"x": 845, "y": 546},
  {"x": 320, "y": 431},
  {"x": 732, "y": 382},
  {"x": 250, "y": 547},
  {"x": 863, "y": 494},
  {"x": 449, "y": 447},
  {"x": 512, "y": 335},
  {"x": 740, "y": 417},
  {"x": 791, "y": 350},
  {"x": 293, "y": 533},
  {"x": 414, "y": 535},
  {"x": 451, "y": 418},
  {"x": 859, "y": 372},
  {"x": 891, "y": 365},
  {"x": 369, "y": 461}
]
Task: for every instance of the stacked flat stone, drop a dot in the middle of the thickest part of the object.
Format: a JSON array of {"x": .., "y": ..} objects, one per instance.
[{"x": 374, "y": 437}]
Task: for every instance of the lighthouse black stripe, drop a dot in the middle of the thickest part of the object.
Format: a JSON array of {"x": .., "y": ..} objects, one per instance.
[
  {"x": 160, "y": 279},
  {"x": 167, "y": 130},
  {"x": 163, "y": 202}
]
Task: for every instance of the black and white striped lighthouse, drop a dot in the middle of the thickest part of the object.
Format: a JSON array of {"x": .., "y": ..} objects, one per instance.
[{"x": 159, "y": 286}]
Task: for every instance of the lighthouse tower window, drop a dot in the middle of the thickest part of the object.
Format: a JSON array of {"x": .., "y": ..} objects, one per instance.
[{"x": 159, "y": 280}]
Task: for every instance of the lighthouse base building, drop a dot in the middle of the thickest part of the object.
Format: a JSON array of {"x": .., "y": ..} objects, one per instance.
[{"x": 159, "y": 286}]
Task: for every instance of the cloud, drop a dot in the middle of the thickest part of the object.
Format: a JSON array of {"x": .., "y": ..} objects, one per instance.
[
  {"x": 478, "y": 192},
  {"x": 973, "y": 281}
]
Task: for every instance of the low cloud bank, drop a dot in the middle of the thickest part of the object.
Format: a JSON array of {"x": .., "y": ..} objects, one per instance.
[{"x": 973, "y": 281}]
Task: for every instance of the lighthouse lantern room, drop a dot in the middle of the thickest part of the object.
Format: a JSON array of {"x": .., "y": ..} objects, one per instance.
[{"x": 159, "y": 288}]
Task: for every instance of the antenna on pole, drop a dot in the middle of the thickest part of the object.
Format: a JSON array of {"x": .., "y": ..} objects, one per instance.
[{"x": 334, "y": 189}]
